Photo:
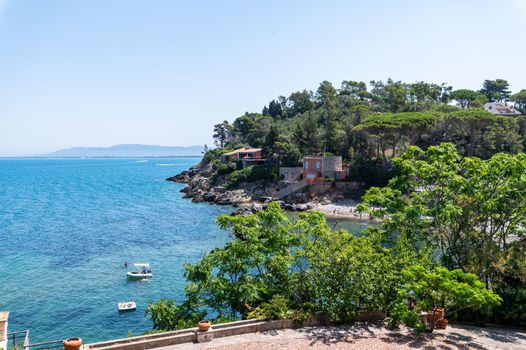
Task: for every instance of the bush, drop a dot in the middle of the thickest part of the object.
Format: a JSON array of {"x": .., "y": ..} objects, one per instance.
[
  {"x": 253, "y": 173},
  {"x": 276, "y": 309},
  {"x": 370, "y": 172},
  {"x": 214, "y": 154},
  {"x": 225, "y": 168},
  {"x": 402, "y": 314},
  {"x": 513, "y": 308}
]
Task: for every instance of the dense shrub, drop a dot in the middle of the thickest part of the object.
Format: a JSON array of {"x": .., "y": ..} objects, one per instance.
[
  {"x": 281, "y": 268},
  {"x": 214, "y": 154},
  {"x": 253, "y": 173},
  {"x": 513, "y": 309}
]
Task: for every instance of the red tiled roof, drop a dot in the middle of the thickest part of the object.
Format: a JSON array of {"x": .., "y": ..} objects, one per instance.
[{"x": 242, "y": 150}]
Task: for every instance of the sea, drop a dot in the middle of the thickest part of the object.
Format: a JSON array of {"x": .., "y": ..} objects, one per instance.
[{"x": 67, "y": 226}]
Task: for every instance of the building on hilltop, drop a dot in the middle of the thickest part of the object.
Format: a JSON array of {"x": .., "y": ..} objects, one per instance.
[
  {"x": 248, "y": 156},
  {"x": 499, "y": 108}
]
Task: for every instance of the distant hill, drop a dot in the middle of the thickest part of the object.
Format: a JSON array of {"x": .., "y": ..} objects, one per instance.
[{"x": 128, "y": 151}]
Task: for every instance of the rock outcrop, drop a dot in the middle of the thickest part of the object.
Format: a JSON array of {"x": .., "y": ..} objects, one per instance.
[{"x": 205, "y": 184}]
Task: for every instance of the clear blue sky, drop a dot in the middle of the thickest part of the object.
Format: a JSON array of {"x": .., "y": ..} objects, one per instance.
[{"x": 104, "y": 72}]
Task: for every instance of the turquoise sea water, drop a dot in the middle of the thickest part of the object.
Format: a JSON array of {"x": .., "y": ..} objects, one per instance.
[
  {"x": 66, "y": 228},
  {"x": 68, "y": 225}
]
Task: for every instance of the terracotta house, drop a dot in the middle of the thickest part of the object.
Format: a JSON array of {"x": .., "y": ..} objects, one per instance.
[
  {"x": 316, "y": 168},
  {"x": 242, "y": 154}
]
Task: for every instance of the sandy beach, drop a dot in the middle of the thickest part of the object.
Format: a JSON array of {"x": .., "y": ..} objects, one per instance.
[{"x": 343, "y": 209}]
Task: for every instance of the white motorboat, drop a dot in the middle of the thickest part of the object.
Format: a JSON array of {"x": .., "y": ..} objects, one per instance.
[
  {"x": 143, "y": 271},
  {"x": 127, "y": 306}
]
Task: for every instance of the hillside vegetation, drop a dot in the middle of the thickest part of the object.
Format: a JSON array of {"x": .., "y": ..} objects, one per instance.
[
  {"x": 369, "y": 125},
  {"x": 452, "y": 216}
]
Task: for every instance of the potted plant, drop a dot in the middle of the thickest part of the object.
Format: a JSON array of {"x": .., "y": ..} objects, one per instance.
[
  {"x": 72, "y": 344},
  {"x": 444, "y": 291},
  {"x": 204, "y": 325},
  {"x": 435, "y": 315},
  {"x": 442, "y": 323}
]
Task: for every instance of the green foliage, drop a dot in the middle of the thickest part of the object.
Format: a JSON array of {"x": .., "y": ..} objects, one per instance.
[
  {"x": 520, "y": 100},
  {"x": 513, "y": 309},
  {"x": 453, "y": 290},
  {"x": 366, "y": 126},
  {"x": 276, "y": 309},
  {"x": 225, "y": 168},
  {"x": 279, "y": 268},
  {"x": 214, "y": 155},
  {"x": 496, "y": 90},
  {"x": 252, "y": 173},
  {"x": 402, "y": 314},
  {"x": 168, "y": 315},
  {"x": 468, "y": 98},
  {"x": 222, "y": 133},
  {"x": 473, "y": 212}
]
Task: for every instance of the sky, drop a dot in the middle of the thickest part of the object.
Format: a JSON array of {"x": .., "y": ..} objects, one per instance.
[{"x": 106, "y": 72}]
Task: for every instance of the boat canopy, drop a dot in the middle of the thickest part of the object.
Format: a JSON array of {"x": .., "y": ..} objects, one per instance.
[{"x": 141, "y": 265}]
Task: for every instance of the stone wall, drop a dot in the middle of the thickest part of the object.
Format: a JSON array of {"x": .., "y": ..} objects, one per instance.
[{"x": 289, "y": 174}]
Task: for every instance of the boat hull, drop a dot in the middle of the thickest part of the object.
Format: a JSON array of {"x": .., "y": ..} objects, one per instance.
[
  {"x": 138, "y": 276},
  {"x": 126, "y": 306}
]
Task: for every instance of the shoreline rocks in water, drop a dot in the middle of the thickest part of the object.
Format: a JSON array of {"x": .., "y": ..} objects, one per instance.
[
  {"x": 205, "y": 184},
  {"x": 256, "y": 207}
]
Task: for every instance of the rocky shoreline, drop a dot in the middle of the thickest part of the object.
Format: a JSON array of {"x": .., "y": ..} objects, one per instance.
[{"x": 204, "y": 184}]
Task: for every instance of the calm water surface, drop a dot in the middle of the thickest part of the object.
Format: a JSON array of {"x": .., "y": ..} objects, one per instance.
[
  {"x": 68, "y": 225},
  {"x": 66, "y": 228}
]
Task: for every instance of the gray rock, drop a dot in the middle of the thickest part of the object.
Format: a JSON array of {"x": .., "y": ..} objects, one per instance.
[{"x": 255, "y": 207}]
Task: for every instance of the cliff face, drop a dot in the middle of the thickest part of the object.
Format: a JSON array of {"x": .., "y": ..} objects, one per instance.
[{"x": 204, "y": 184}]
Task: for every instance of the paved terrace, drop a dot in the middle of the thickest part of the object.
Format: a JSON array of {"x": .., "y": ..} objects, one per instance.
[
  {"x": 456, "y": 337},
  {"x": 255, "y": 334}
]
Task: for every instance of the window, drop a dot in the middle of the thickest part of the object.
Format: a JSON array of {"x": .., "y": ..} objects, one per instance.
[
  {"x": 318, "y": 165},
  {"x": 306, "y": 165},
  {"x": 311, "y": 176}
]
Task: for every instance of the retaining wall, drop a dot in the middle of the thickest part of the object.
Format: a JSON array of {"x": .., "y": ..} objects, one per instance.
[{"x": 192, "y": 335}]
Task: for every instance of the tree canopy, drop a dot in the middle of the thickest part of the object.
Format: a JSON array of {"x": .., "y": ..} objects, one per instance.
[{"x": 368, "y": 124}]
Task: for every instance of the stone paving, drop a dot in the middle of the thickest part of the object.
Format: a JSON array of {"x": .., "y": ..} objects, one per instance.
[{"x": 367, "y": 336}]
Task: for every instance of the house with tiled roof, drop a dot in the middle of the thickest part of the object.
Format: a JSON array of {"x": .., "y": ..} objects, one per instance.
[{"x": 499, "y": 108}]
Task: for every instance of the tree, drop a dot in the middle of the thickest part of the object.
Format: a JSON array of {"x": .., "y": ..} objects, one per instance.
[
  {"x": 453, "y": 290},
  {"x": 422, "y": 94},
  {"x": 357, "y": 90},
  {"x": 390, "y": 96},
  {"x": 468, "y": 98},
  {"x": 243, "y": 126},
  {"x": 307, "y": 135},
  {"x": 275, "y": 109},
  {"x": 472, "y": 122},
  {"x": 278, "y": 267},
  {"x": 394, "y": 130},
  {"x": 285, "y": 153},
  {"x": 222, "y": 133},
  {"x": 496, "y": 90},
  {"x": 500, "y": 137},
  {"x": 520, "y": 100},
  {"x": 471, "y": 211},
  {"x": 326, "y": 96},
  {"x": 300, "y": 102}
]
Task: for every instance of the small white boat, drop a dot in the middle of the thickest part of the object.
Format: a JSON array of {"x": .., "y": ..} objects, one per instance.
[
  {"x": 143, "y": 271},
  {"x": 127, "y": 306}
]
